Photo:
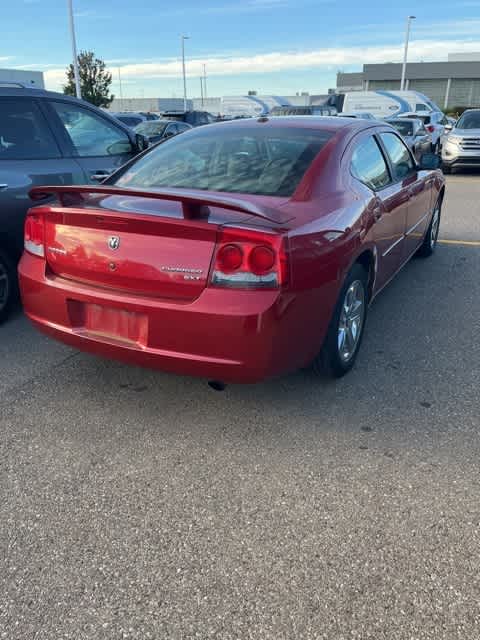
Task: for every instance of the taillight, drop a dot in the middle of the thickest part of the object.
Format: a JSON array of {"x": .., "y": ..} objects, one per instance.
[
  {"x": 34, "y": 236},
  {"x": 430, "y": 128},
  {"x": 249, "y": 260}
]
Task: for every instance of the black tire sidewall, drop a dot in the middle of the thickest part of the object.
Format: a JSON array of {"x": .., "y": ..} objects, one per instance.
[
  {"x": 8, "y": 265},
  {"x": 426, "y": 248},
  {"x": 329, "y": 361}
]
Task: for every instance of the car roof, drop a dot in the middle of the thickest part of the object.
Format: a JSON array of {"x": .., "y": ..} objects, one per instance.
[
  {"x": 164, "y": 121},
  {"x": 22, "y": 92},
  {"x": 325, "y": 123}
]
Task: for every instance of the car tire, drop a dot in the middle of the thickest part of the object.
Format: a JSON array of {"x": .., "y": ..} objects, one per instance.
[
  {"x": 446, "y": 169},
  {"x": 344, "y": 336},
  {"x": 429, "y": 244},
  {"x": 8, "y": 285}
]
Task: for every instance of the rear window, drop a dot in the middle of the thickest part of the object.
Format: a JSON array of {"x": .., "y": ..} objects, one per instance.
[
  {"x": 424, "y": 119},
  {"x": 404, "y": 128},
  {"x": 266, "y": 161}
]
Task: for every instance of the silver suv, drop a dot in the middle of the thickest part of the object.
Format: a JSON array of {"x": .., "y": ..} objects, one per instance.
[
  {"x": 461, "y": 144},
  {"x": 49, "y": 138}
]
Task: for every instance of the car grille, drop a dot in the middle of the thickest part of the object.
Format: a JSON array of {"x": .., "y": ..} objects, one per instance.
[{"x": 470, "y": 144}]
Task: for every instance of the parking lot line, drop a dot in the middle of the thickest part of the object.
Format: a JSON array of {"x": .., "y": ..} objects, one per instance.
[{"x": 472, "y": 243}]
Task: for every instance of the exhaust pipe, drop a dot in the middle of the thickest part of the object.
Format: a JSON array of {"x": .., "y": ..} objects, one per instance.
[{"x": 216, "y": 385}]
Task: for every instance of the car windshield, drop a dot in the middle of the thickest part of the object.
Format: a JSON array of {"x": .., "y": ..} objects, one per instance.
[
  {"x": 268, "y": 161},
  {"x": 469, "y": 120},
  {"x": 151, "y": 128},
  {"x": 404, "y": 128}
]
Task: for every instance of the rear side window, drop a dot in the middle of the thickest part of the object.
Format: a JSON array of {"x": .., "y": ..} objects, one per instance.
[
  {"x": 369, "y": 166},
  {"x": 399, "y": 155},
  {"x": 256, "y": 160},
  {"x": 91, "y": 135},
  {"x": 24, "y": 132}
]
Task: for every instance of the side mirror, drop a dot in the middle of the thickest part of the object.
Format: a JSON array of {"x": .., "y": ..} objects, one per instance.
[
  {"x": 141, "y": 142},
  {"x": 449, "y": 126},
  {"x": 430, "y": 161},
  {"x": 169, "y": 134}
]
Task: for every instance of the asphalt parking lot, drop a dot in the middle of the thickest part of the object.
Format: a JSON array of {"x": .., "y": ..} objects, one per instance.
[{"x": 135, "y": 504}]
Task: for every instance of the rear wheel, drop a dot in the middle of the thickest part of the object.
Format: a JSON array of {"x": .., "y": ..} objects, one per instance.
[
  {"x": 8, "y": 285},
  {"x": 429, "y": 243},
  {"x": 344, "y": 336}
]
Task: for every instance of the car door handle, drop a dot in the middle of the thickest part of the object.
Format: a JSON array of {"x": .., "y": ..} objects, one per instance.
[
  {"x": 3, "y": 185},
  {"x": 100, "y": 175}
]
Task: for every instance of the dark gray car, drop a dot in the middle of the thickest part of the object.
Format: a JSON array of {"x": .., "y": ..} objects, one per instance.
[
  {"x": 49, "y": 138},
  {"x": 415, "y": 135}
]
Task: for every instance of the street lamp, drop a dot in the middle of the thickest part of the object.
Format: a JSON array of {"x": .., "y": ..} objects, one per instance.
[
  {"x": 183, "y": 38},
  {"x": 76, "y": 72},
  {"x": 405, "y": 52}
]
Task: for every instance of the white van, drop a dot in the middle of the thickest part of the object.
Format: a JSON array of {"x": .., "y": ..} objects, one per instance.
[{"x": 387, "y": 104}]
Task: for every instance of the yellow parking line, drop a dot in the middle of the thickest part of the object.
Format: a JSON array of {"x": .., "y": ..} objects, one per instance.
[{"x": 471, "y": 243}]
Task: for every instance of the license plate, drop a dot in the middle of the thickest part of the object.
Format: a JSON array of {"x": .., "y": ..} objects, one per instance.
[{"x": 108, "y": 322}]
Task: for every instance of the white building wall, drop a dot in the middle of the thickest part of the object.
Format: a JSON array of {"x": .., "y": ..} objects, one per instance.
[{"x": 32, "y": 79}]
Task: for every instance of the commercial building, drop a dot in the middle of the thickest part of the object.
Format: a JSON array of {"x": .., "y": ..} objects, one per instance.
[
  {"x": 454, "y": 83},
  {"x": 226, "y": 105},
  {"x": 28, "y": 78}
]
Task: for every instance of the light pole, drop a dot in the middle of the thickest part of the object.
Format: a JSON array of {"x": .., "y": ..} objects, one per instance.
[
  {"x": 76, "y": 72},
  {"x": 120, "y": 83},
  {"x": 183, "y": 38},
  {"x": 405, "y": 52},
  {"x": 205, "y": 81}
]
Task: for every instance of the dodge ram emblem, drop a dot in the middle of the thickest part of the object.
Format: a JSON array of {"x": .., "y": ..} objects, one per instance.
[{"x": 114, "y": 242}]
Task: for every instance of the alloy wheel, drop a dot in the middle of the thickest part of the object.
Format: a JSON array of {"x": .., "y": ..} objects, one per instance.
[
  {"x": 351, "y": 320},
  {"x": 434, "y": 227}
]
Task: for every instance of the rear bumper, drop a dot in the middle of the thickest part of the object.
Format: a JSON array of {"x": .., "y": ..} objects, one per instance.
[{"x": 228, "y": 335}]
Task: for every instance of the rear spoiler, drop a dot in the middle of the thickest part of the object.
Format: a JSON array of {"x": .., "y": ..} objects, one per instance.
[{"x": 193, "y": 203}]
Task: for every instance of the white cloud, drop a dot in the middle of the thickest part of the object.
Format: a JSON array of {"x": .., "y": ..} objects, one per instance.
[{"x": 333, "y": 57}]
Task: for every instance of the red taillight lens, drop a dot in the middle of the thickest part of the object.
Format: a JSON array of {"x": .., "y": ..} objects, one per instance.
[
  {"x": 430, "y": 128},
  {"x": 249, "y": 260},
  {"x": 229, "y": 257},
  {"x": 261, "y": 259},
  {"x": 34, "y": 236}
]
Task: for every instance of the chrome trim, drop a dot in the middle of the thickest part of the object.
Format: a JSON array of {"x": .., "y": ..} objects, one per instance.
[
  {"x": 392, "y": 246},
  {"x": 419, "y": 222}
]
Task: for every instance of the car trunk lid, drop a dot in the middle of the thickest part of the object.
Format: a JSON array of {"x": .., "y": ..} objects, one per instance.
[{"x": 141, "y": 244}]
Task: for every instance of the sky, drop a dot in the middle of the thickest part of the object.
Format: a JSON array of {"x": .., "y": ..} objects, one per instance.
[{"x": 272, "y": 46}]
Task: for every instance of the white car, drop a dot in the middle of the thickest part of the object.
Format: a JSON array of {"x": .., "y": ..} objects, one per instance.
[{"x": 434, "y": 122}]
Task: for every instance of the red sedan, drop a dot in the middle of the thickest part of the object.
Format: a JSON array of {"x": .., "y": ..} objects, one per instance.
[{"x": 236, "y": 252}]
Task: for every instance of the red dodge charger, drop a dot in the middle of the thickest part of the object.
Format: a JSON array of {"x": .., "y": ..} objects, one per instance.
[{"x": 236, "y": 252}]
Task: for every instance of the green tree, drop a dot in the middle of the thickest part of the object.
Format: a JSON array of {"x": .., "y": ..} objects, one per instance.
[{"x": 95, "y": 80}]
